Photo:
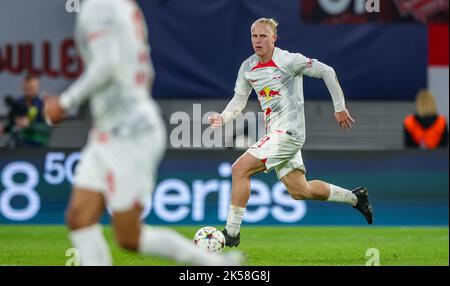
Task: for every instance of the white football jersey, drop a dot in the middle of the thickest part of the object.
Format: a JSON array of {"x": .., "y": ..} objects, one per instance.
[
  {"x": 111, "y": 37},
  {"x": 279, "y": 87}
]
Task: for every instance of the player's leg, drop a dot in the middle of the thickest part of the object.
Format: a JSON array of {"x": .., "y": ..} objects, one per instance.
[
  {"x": 137, "y": 237},
  {"x": 301, "y": 189},
  {"x": 246, "y": 166},
  {"x": 82, "y": 216},
  {"x": 87, "y": 204}
]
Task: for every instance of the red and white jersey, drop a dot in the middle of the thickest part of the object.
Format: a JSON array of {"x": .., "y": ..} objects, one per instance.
[
  {"x": 279, "y": 87},
  {"x": 111, "y": 37}
]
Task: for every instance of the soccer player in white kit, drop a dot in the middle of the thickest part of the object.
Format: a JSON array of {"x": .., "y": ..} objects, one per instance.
[
  {"x": 276, "y": 76},
  {"x": 119, "y": 163}
]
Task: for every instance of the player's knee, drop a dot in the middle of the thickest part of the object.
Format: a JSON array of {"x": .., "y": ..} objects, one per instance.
[
  {"x": 128, "y": 243},
  {"x": 75, "y": 220}
]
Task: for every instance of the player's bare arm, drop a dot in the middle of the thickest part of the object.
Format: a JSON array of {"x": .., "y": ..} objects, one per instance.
[{"x": 344, "y": 119}]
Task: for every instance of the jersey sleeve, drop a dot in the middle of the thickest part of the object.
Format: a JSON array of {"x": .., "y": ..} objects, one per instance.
[
  {"x": 242, "y": 92},
  {"x": 242, "y": 85},
  {"x": 95, "y": 36},
  {"x": 314, "y": 68}
]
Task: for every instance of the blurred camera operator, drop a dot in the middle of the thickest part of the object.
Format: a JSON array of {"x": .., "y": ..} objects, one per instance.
[{"x": 26, "y": 125}]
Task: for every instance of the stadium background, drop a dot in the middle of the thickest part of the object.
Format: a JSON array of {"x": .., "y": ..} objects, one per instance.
[{"x": 197, "y": 47}]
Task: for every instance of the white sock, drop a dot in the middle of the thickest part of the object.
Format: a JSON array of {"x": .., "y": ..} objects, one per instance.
[
  {"x": 170, "y": 244},
  {"x": 92, "y": 246},
  {"x": 341, "y": 195},
  {"x": 234, "y": 220}
]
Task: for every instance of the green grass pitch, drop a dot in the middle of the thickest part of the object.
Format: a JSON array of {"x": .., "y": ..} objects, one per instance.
[{"x": 47, "y": 245}]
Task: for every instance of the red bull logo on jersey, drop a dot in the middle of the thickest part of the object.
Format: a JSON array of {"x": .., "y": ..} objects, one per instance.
[{"x": 268, "y": 93}]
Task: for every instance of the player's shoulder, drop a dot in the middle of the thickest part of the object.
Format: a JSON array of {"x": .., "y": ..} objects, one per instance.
[
  {"x": 102, "y": 7},
  {"x": 250, "y": 62},
  {"x": 103, "y": 3},
  {"x": 280, "y": 52},
  {"x": 90, "y": 4},
  {"x": 284, "y": 57},
  {"x": 101, "y": 12}
]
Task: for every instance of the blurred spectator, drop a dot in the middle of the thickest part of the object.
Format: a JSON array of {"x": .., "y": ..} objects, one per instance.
[
  {"x": 26, "y": 125},
  {"x": 426, "y": 129}
]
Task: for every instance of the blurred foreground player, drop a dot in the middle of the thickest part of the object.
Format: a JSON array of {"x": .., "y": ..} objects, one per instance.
[
  {"x": 119, "y": 163},
  {"x": 277, "y": 78}
]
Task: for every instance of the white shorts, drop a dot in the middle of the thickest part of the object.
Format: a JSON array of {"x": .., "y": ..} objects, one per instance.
[
  {"x": 279, "y": 151},
  {"x": 123, "y": 168}
]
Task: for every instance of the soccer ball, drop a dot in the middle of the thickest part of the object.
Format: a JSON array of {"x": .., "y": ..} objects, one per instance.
[{"x": 210, "y": 239}]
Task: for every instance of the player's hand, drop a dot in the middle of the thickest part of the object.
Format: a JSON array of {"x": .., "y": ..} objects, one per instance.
[
  {"x": 344, "y": 119},
  {"x": 53, "y": 111},
  {"x": 215, "y": 120}
]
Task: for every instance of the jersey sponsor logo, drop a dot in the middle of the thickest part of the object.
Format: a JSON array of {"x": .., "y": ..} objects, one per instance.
[{"x": 268, "y": 94}]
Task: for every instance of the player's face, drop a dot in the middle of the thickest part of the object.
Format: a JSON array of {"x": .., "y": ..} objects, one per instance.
[{"x": 263, "y": 39}]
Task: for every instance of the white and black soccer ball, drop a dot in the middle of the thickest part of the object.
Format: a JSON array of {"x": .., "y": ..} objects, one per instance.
[{"x": 210, "y": 239}]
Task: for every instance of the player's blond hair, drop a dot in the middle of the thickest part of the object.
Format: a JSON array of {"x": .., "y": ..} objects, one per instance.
[
  {"x": 425, "y": 103},
  {"x": 269, "y": 21}
]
